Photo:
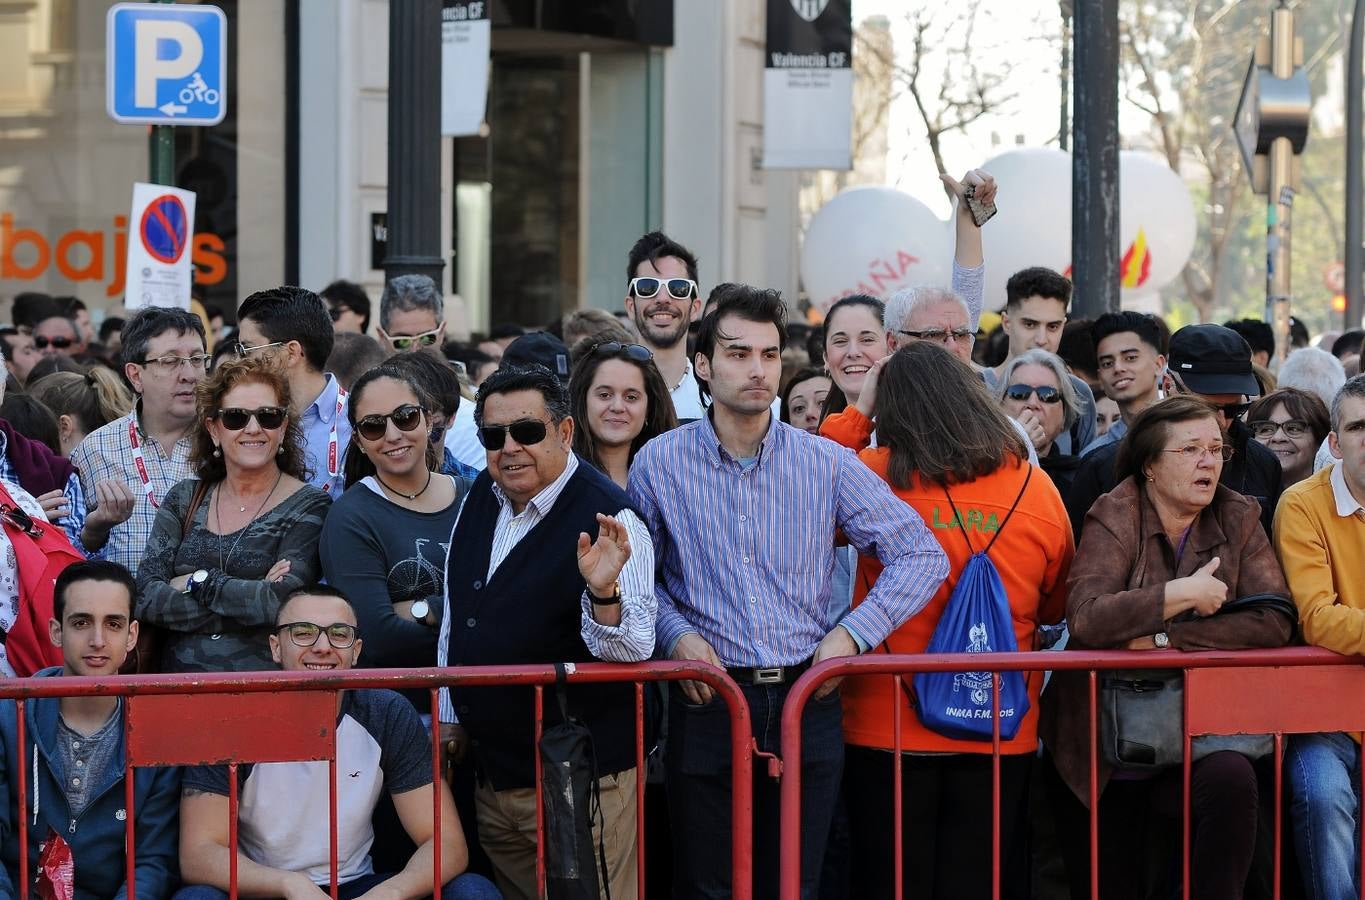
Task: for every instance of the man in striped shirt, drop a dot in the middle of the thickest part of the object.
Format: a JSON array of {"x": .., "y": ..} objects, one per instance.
[{"x": 743, "y": 510}]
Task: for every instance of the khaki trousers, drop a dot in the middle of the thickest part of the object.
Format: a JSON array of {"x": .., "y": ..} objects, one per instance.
[{"x": 507, "y": 831}]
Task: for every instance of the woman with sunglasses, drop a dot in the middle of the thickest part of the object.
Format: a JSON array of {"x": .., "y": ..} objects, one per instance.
[
  {"x": 384, "y": 543},
  {"x": 1035, "y": 391},
  {"x": 620, "y": 402},
  {"x": 947, "y": 450},
  {"x": 1292, "y": 424},
  {"x": 228, "y": 546},
  {"x": 1162, "y": 559}
]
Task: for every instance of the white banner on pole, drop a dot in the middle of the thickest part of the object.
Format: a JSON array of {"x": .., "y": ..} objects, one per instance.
[
  {"x": 466, "y": 40},
  {"x": 808, "y": 85},
  {"x": 160, "y": 235}
]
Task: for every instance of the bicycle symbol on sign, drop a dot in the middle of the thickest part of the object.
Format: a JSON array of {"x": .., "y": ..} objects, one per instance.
[{"x": 199, "y": 90}]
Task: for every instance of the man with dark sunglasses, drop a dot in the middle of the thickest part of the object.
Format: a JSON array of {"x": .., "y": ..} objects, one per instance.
[
  {"x": 548, "y": 564},
  {"x": 57, "y": 333},
  {"x": 1213, "y": 363},
  {"x": 662, "y": 299}
]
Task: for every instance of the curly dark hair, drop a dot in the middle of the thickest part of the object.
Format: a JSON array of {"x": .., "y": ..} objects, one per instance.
[{"x": 208, "y": 397}]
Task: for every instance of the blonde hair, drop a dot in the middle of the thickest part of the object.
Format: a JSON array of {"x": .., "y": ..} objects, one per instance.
[{"x": 94, "y": 399}]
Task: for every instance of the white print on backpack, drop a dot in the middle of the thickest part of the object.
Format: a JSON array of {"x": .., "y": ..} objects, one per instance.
[{"x": 979, "y": 683}]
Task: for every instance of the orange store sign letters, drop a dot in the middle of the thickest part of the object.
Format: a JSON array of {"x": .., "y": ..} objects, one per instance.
[{"x": 26, "y": 255}]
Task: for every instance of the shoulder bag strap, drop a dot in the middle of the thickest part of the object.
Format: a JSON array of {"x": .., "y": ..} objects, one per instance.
[{"x": 196, "y": 500}]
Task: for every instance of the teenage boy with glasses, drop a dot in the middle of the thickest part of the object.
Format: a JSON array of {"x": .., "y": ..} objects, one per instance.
[
  {"x": 283, "y": 835},
  {"x": 293, "y": 326}
]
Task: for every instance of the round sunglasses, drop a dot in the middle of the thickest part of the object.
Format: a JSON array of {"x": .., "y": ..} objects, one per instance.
[
  {"x": 234, "y": 418},
  {"x": 1022, "y": 392},
  {"x": 373, "y": 427}
]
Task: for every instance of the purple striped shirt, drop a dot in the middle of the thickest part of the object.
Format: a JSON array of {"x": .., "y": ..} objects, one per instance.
[{"x": 745, "y": 556}]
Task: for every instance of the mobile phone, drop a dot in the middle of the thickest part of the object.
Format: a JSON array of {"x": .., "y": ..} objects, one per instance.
[{"x": 981, "y": 212}]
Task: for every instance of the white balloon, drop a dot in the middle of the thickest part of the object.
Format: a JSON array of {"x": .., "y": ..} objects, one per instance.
[
  {"x": 1156, "y": 223},
  {"x": 1033, "y": 224},
  {"x": 873, "y": 240}
]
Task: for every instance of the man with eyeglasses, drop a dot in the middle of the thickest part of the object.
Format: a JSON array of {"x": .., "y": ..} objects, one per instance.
[
  {"x": 283, "y": 818},
  {"x": 548, "y": 564},
  {"x": 348, "y": 305},
  {"x": 128, "y": 465},
  {"x": 1036, "y": 301},
  {"x": 411, "y": 314},
  {"x": 1213, "y": 363},
  {"x": 291, "y": 325}
]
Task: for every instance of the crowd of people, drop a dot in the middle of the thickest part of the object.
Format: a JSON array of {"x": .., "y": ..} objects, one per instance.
[{"x": 687, "y": 480}]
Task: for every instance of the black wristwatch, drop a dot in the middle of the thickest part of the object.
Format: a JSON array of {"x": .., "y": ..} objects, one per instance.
[{"x": 614, "y": 599}]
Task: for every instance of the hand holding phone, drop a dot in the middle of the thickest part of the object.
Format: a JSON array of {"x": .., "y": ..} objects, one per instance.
[{"x": 982, "y": 211}]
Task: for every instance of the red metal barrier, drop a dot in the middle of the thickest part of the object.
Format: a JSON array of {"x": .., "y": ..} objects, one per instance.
[
  {"x": 1295, "y": 690},
  {"x": 289, "y": 716}
]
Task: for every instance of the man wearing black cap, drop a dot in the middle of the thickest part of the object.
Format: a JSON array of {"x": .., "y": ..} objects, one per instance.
[
  {"x": 538, "y": 347},
  {"x": 1213, "y": 363}
]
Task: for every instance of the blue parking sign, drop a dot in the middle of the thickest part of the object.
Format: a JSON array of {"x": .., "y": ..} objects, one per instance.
[{"x": 167, "y": 64}]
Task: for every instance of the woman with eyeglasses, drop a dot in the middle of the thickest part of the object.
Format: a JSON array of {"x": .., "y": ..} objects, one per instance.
[
  {"x": 228, "y": 546},
  {"x": 1170, "y": 559},
  {"x": 620, "y": 402},
  {"x": 384, "y": 543},
  {"x": 1035, "y": 391},
  {"x": 1292, "y": 424}
]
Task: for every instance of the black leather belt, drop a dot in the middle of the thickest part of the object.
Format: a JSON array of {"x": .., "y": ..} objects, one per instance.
[{"x": 746, "y": 675}]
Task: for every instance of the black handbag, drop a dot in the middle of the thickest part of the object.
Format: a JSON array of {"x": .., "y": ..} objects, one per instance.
[{"x": 572, "y": 804}]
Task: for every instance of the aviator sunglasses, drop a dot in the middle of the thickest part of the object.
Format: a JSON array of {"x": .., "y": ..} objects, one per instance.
[
  {"x": 678, "y": 288},
  {"x": 234, "y": 418},
  {"x": 1022, "y": 392},
  {"x": 374, "y": 427},
  {"x": 527, "y": 432},
  {"x": 636, "y": 352}
]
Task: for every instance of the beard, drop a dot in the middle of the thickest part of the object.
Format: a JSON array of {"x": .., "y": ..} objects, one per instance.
[{"x": 664, "y": 340}]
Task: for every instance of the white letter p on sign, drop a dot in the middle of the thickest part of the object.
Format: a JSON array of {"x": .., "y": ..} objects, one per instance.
[{"x": 149, "y": 69}]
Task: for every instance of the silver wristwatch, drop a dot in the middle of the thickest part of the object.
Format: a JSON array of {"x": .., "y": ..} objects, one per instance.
[
  {"x": 420, "y": 610},
  {"x": 1162, "y": 640}
]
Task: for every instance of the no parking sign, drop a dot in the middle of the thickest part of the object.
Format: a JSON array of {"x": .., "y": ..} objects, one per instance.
[{"x": 159, "y": 267}]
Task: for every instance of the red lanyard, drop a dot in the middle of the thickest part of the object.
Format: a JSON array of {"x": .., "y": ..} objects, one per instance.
[
  {"x": 333, "y": 469},
  {"x": 140, "y": 463}
]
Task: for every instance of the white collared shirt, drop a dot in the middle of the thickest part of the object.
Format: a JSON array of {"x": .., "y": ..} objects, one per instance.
[{"x": 1347, "y": 504}]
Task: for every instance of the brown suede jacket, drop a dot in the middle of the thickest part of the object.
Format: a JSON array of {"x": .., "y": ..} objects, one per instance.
[{"x": 1117, "y": 588}]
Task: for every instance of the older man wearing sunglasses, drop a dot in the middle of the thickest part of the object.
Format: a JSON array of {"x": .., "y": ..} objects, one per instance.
[
  {"x": 411, "y": 314},
  {"x": 525, "y": 582}
]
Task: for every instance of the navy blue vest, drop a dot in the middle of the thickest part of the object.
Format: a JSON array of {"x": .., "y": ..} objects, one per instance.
[{"x": 529, "y": 612}]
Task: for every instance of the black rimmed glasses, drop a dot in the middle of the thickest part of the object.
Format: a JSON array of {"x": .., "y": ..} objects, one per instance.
[
  {"x": 305, "y": 634},
  {"x": 1265, "y": 429},
  {"x": 637, "y": 352},
  {"x": 527, "y": 432},
  {"x": 234, "y": 418},
  {"x": 374, "y": 427}
]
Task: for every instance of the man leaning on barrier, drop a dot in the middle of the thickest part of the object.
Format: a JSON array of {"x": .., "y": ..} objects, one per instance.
[
  {"x": 1320, "y": 538},
  {"x": 75, "y": 799},
  {"x": 283, "y": 831}
]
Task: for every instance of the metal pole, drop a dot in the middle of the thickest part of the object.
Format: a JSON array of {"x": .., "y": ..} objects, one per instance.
[
  {"x": 1280, "y": 198},
  {"x": 1355, "y": 257},
  {"x": 1064, "y": 78},
  {"x": 1095, "y": 160},
  {"x": 414, "y": 218},
  {"x": 161, "y": 148}
]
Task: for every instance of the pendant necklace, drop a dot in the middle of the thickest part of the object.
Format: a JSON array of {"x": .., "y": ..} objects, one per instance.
[
  {"x": 412, "y": 496},
  {"x": 218, "y": 520}
]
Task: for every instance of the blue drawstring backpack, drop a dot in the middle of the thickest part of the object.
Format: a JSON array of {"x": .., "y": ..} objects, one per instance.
[{"x": 977, "y": 619}]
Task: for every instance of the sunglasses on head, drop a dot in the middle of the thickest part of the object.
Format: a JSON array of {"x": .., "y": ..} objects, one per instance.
[
  {"x": 611, "y": 348},
  {"x": 1022, "y": 392},
  {"x": 374, "y": 427},
  {"x": 678, "y": 288},
  {"x": 526, "y": 432},
  {"x": 234, "y": 418},
  {"x": 42, "y": 342}
]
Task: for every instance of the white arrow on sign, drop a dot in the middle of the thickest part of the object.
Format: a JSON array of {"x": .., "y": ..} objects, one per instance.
[{"x": 172, "y": 109}]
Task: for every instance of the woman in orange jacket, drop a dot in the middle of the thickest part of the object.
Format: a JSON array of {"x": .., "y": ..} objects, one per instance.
[{"x": 947, "y": 450}]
